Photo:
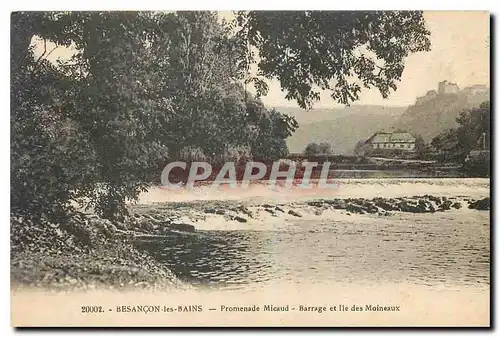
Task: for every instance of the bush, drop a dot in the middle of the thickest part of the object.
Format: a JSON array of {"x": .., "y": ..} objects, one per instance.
[
  {"x": 191, "y": 154},
  {"x": 235, "y": 154}
]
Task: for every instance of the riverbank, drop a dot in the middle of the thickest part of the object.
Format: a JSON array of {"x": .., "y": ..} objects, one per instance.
[{"x": 84, "y": 253}]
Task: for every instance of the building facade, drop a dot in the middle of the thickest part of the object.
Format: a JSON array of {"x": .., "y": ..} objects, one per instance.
[{"x": 392, "y": 141}]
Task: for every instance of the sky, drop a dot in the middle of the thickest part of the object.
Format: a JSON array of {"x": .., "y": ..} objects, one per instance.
[{"x": 459, "y": 53}]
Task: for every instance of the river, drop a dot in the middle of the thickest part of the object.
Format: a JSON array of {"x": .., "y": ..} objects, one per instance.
[{"x": 450, "y": 249}]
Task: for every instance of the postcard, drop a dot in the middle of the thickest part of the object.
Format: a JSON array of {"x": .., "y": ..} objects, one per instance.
[{"x": 250, "y": 169}]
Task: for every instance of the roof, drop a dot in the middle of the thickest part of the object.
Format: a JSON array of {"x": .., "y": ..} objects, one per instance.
[{"x": 391, "y": 137}]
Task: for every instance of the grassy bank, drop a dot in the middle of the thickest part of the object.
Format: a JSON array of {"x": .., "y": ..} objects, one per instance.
[{"x": 83, "y": 253}]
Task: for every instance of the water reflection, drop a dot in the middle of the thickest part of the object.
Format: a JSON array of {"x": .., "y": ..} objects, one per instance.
[{"x": 419, "y": 251}]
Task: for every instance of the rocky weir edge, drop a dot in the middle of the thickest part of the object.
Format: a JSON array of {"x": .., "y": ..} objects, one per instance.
[{"x": 87, "y": 252}]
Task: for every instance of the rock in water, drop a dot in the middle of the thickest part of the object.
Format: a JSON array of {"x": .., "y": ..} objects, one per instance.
[
  {"x": 338, "y": 204},
  {"x": 386, "y": 206},
  {"x": 445, "y": 206},
  {"x": 431, "y": 208},
  {"x": 239, "y": 219},
  {"x": 405, "y": 206},
  {"x": 353, "y": 208},
  {"x": 244, "y": 210},
  {"x": 292, "y": 212},
  {"x": 370, "y": 207},
  {"x": 182, "y": 227},
  {"x": 273, "y": 213},
  {"x": 481, "y": 205},
  {"x": 437, "y": 200}
]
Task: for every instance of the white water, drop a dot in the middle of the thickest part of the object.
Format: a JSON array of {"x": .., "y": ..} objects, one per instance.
[{"x": 344, "y": 188}]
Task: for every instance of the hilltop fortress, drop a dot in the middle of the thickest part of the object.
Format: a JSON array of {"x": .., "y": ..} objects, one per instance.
[{"x": 448, "y": 88}]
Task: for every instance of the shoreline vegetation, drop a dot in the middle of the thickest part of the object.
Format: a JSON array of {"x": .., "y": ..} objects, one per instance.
[{"x": 87, "y": 252}]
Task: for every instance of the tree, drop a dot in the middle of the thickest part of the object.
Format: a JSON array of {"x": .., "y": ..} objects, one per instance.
[
  {"x": 314, "y": 149},
  {"x": 362, "y": 148},
  {"x": 200, "y": 72},
  {"x": 325, "y": 148},
  {"x": 473, "y": 130},
  {"x": 273, "y": 129},
  {"x": 140, "y": 88},
  {"x": 421, "y": 149},
  {"x": 340, "y": 52},
  {"x": 194, "y": 70}
]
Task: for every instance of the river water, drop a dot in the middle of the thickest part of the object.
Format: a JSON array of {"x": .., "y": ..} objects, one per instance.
[
  {"x": 449, "y": 248},
  {"x": 410, "y": 249}
]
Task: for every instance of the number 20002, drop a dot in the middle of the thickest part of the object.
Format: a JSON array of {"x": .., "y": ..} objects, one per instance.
[{"x": 91, "y": 309}]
